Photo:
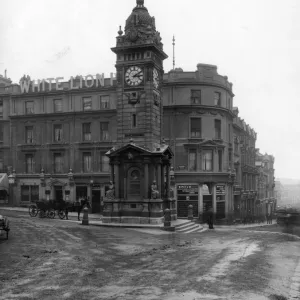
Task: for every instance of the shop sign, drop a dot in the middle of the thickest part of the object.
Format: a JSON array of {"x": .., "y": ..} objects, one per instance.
[
  {"x": 220, "y": 189},
  {"x": 96, "y": 186},
  {"x": 187, "y": 189},
  {"x": 84, "y": 82}
]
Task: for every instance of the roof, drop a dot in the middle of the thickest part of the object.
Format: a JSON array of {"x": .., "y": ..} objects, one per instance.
[{"x": 161, "y": 149}]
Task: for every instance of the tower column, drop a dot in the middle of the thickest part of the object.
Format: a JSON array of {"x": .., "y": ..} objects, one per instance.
[
  {"x": 117, "y": 179},
  {"x": 159, "y": 176},
  {"x": 146, "y": 178}
]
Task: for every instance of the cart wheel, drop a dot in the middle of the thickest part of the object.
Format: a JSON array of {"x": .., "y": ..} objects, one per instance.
[
  {"x": 42, "y": 213},
  {"x": 33, "y": 211},
  {"x": 51, "y": 214},
  {"x": 61, "y": 214}
]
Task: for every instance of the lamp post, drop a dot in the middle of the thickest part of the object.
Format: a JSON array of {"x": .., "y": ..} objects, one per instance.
[{"x": 11, "y": 181}]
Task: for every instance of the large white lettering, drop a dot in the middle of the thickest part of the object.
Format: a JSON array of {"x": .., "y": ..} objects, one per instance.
[
  {"x": 34, "y": 85},
  {"x": 87, "y": 78},
  {"x": 24, "y": 86},
  {"x": 72, "y": 87},
  {"x": 58, "y": 88},
  {"x": 100, "y": 79},
  {"x": 75, "y": 83},
  {"x": 50, "y": 83}
]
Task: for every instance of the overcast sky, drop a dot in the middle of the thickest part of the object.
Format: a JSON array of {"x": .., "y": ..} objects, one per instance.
[{"x": 256, "y": 43}]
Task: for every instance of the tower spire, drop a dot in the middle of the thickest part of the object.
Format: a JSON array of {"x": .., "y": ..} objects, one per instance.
[{"x": 173, "y": 52}]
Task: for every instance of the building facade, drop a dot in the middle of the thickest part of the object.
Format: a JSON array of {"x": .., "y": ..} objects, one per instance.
[
  {"x": 245, "y": 187},
  {"x": 55, "y": 136},
  {"x": 267, "y": 201}
]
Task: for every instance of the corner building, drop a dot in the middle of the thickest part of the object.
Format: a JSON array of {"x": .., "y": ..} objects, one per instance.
[{"x": 143, "y": 125}]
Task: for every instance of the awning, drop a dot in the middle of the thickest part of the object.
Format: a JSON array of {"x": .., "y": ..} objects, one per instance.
[{"x": 3, "y": 182}]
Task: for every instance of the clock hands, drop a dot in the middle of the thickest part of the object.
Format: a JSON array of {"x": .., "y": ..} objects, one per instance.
[{"x": 136, "y": 74}]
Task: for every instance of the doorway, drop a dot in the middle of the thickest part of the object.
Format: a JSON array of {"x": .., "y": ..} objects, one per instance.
[
  {"x": 207, "y": 206},
  {"x": 96, "y": 199},
  {"x": 58, "y": 191}
]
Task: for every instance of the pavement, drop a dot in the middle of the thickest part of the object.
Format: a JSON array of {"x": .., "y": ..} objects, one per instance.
[{"x": 96, "y": 220}]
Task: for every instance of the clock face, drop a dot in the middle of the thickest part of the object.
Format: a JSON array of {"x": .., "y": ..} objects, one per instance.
[
  {"x": 155, "y": 78},
  {"x": 134, "y": 76}
]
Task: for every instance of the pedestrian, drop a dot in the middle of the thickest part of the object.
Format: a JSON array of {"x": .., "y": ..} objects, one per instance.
[
  {"x": 78, "y": 207},
  {"x": 211, "y": 219},
  {"x": 67, "y": 209}
]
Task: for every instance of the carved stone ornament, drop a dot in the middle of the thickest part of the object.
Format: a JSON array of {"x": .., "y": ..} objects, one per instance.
[
  {"x": 110, "y": 194},
  {"x": 154, "y": 191}
]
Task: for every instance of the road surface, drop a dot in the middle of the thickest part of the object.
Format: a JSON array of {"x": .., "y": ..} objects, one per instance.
[{"x": 59, "y": 259}]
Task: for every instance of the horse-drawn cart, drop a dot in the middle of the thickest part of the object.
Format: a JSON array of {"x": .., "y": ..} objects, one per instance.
[
  {"x": 49, "y": 209},
  {"x": 4, "y": 225}
]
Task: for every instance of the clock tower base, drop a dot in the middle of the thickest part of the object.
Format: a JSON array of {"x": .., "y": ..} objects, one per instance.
[{"x": 140, "y": 186}]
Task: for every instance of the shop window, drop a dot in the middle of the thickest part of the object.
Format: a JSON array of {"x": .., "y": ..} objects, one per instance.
[
  {"x": 220, "y": 201},
  {"x": 196, "y": 96},
  {"x": 195, "y": 128},
  {"x": 218, "y": 129},
  {"x": 29, "y": 193},
  {"x": 29, "y": 107},
  {"x": 207, "y": 160},
  {"x": 1, "y": 108},
  {"x": 29, "y": 134},
  {"x": 86, "y": 132},
  {"x": 104, "y": 102},
  {"x": 87, "y": 162},
  {"x": 57, "y": 103},
  {"x": 217, "y": 99},
  {"x": 87, "y": 103},
  {"x": 104, "y": 133},
  {"x": 57, "y": 133}
]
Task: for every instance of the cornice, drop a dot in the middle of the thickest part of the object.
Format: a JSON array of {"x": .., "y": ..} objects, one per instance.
[
  {"x": 197, "y": 109},
  {"x": 195, "y": 83},
  {"x": 69, "y": 114}
]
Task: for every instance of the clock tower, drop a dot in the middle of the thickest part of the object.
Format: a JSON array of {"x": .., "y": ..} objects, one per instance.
[
  {"x": 140, "y": 161},
  {"x": 140, "y": 55}
]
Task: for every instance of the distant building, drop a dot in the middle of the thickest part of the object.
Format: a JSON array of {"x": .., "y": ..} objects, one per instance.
[
  {"x": 267, "y": 200},
  {"x": 245, "y": 187}
]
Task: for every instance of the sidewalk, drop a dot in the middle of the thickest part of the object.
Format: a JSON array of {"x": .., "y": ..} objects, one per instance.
[
  {"x": 95, "y": 220},
  {"x": 246, "y": 225},
  {"x": 71, "y": 214}
]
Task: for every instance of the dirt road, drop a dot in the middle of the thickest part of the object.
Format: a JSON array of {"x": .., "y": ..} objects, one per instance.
[{"x": 54, "y": 259}]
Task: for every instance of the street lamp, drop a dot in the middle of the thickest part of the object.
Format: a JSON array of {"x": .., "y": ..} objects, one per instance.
[{"x": 11, "y": 181}]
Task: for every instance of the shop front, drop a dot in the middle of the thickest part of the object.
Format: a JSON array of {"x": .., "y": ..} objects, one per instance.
[
  {"x": 4, "y": 187},
  {"x": 220, "y": 201},
  {"x": 187, "y": 194}
]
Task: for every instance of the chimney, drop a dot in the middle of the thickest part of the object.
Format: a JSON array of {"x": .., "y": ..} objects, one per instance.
[{"x": 5, "y": 73}]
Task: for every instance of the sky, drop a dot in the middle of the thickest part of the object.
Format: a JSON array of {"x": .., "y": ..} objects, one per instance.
[{"x": 256, "y": 43}]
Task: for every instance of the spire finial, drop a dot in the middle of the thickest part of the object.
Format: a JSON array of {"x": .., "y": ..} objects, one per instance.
[
  {"x": 120, "y": 32},
  {"x": 140, "y": 3}
]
